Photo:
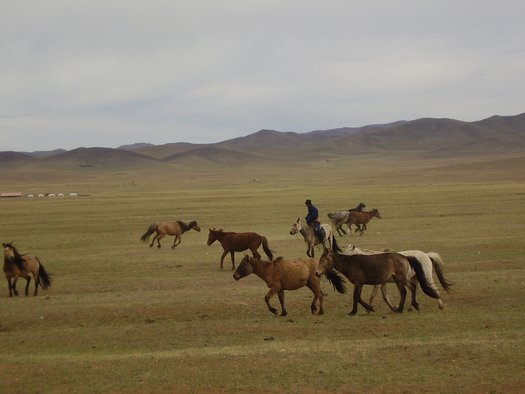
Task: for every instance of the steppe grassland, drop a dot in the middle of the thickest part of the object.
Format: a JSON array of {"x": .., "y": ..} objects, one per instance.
[{"x": 123, "y": 317}]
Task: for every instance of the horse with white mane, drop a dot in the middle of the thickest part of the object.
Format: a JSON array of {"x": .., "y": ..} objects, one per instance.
[{"x": 428, "y": 261}]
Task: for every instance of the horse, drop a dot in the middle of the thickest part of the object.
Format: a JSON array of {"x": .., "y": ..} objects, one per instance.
[
  {"x": 374, "y": 269},
  {"x": 427, "y": 260},
  {"x": 339, "y": 218},
  {"x": 281, "y": 274},
  {"x": 311, "y": 239},
  {"x": 238, "y": 242},
  {"x": 361, "y": 218},
  {"x": 22, "y": 265},
  {"x": 162, "y": 229}
]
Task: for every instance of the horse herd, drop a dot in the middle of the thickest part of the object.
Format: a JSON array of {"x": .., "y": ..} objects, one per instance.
[{"x": 360, "y": 266}]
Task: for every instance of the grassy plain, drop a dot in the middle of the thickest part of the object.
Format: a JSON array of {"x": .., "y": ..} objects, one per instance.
[{"x": 121, "y": 317}]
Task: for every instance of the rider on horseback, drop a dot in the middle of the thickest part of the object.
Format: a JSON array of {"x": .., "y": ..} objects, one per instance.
[{"x": 312, "y": 219}]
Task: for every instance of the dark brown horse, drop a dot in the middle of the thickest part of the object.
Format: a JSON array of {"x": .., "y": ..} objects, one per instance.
[
  {"x": 162, "y": 229},
  {"x": 282, "y": 274},
  {"x": 361, "y": 218},
  {"x": 375, "y": 269},
  {"x": 22, "y": 265},
  {"x": 238, "y": 242}
]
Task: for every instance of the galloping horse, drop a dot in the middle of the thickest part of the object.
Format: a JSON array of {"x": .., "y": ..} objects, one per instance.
[
  {"x": 310, "y": 237},
  {"x": 238, "y": 242},
  {"x": 374, "y": 269},
  {"x": 427, "y": 260},
  {"x": 162, "y": 229},
  {"x": 339, "y": 218},
  {"x": 281, "y": 275},
  {"x": 361, "y": 218},
  {"x": 22, "y": 265}
]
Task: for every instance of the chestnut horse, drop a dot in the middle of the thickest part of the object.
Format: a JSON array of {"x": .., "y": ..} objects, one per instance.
[
  {"x": 281, "y": 274},
  {"x": 374, "y": 269},
  {"x": 238, "y": 242},
  {"x": 361, "y": 218},
  {"x": 22, "y": 265},
  {"x": 339, "y": 218},
  {"x": 162, "y": 229}
]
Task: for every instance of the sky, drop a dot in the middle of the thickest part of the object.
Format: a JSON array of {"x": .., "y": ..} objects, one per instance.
[{"x": 116, "y": 72}]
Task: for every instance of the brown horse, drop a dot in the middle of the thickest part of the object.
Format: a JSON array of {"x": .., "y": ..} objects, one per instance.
[
  {"x": 339, "y": 218},
  {"x": 162, "y": 229},
  {"x": 281, "y": 275},
  {"x": 238, "y": 242},
  {"x": 22, "y": 265},
  {"x": 375, "y": 269},
  {"x": 361, "y": 218}
]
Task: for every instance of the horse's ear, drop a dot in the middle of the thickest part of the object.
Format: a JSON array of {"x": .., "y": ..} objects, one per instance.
[{"x": 298, "y": 220}]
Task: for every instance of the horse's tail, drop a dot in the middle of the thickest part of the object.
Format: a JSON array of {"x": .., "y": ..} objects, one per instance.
[
  {"x": 335, "y": 246},
  {"x": 43, "y": 276},
  {"x": 437, "y": 263},
  {"x": 337, "y": 281},
  {"x": 420, "y": 274},
  {"x": 266, "y": 248},
  {"x": 151, "y": 229}
]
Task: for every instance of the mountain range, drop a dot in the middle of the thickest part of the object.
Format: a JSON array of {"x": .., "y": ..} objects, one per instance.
[{"x": 427, "y": 137}]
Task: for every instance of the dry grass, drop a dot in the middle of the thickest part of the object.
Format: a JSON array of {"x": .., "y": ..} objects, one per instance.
[{"x": 121, "y": 317}]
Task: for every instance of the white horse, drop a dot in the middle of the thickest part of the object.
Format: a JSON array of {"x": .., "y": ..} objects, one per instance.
[
  {"x": 428, "y": 261},
  {"x": 311, "y": 239}
]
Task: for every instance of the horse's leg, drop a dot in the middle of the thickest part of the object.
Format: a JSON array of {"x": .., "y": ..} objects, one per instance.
[
  {"x": 318, "y": 295},
  {"x": 403, "y": 292},
  {"x": 373, "y": 294},
  {"x": 369, "y": 308},
  {"x": 159, "y": 237},
  {"x": 222, "y": 257},
  {"x": 28, "y": 281},
  {"x": 255, "y": 253},
  {"x": 357, "y": 295},
  {"x": 412, "y": 286},
  {"x": 175, "y": 242},
  {"x": 232, "y": 255},
  {"x": 154, "y": 238},
  {"x": 15, "y": 291},
  {"x": 280, "y": 294},
  {"x": 386, "y": 298},
  {"x": 9, "y": 286},
  {"x": 269, "y": 295}
]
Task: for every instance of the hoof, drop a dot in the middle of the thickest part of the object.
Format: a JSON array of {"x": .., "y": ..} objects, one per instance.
[{"x": 274, "y": 311}]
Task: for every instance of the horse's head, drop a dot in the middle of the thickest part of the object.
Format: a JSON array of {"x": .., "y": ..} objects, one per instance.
[
  {"x": 212, "y": 236},
  {"x": 326, "y": 263},
  {"x": 245, "y": 268},
  {"x": 195, "y": 226},
  {"x": 296, "y": 227},
  {"x": 9, "y": 250}
]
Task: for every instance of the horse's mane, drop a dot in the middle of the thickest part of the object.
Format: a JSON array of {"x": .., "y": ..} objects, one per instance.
[{"x": 18, "y": 258}]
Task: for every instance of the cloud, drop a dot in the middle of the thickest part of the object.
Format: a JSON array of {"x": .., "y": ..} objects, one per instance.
[{"x": 116, "y": 72}]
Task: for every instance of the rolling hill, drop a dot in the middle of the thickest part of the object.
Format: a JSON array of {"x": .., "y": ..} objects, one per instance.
[{"x": 425, "y": 137}]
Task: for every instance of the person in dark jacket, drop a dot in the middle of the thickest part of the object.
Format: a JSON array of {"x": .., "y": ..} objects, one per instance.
[{"x": 312, "y": 219}]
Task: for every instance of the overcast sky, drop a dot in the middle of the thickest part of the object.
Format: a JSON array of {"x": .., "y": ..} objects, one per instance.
[{"x": 114, "y": 72}]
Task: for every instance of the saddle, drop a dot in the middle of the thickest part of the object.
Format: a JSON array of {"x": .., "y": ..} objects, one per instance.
[{"x": 321, "y": 235}]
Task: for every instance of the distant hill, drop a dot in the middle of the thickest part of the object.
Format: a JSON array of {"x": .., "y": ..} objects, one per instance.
[
  {"x": 425, "y": 137},
  {"x": 100, "y": 158}
]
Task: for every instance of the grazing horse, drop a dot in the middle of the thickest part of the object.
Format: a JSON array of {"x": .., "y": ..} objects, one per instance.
[
  {"x": 310, "y": 238},
  {"x": 281, "y": 274},
  {"x": 361, "y": 218},
  {"x": 427, "y": 260},
  {"x": 238, "y": 242},
  {"x": 22, "y": 265},
  {"x": 162, "y": 229},
  {"x": 374, "y": 269},
  {"x": 339, "y": 218}
]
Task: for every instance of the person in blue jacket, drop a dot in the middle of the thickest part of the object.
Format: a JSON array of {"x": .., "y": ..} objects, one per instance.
[{"x": 312, "y": 219}]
